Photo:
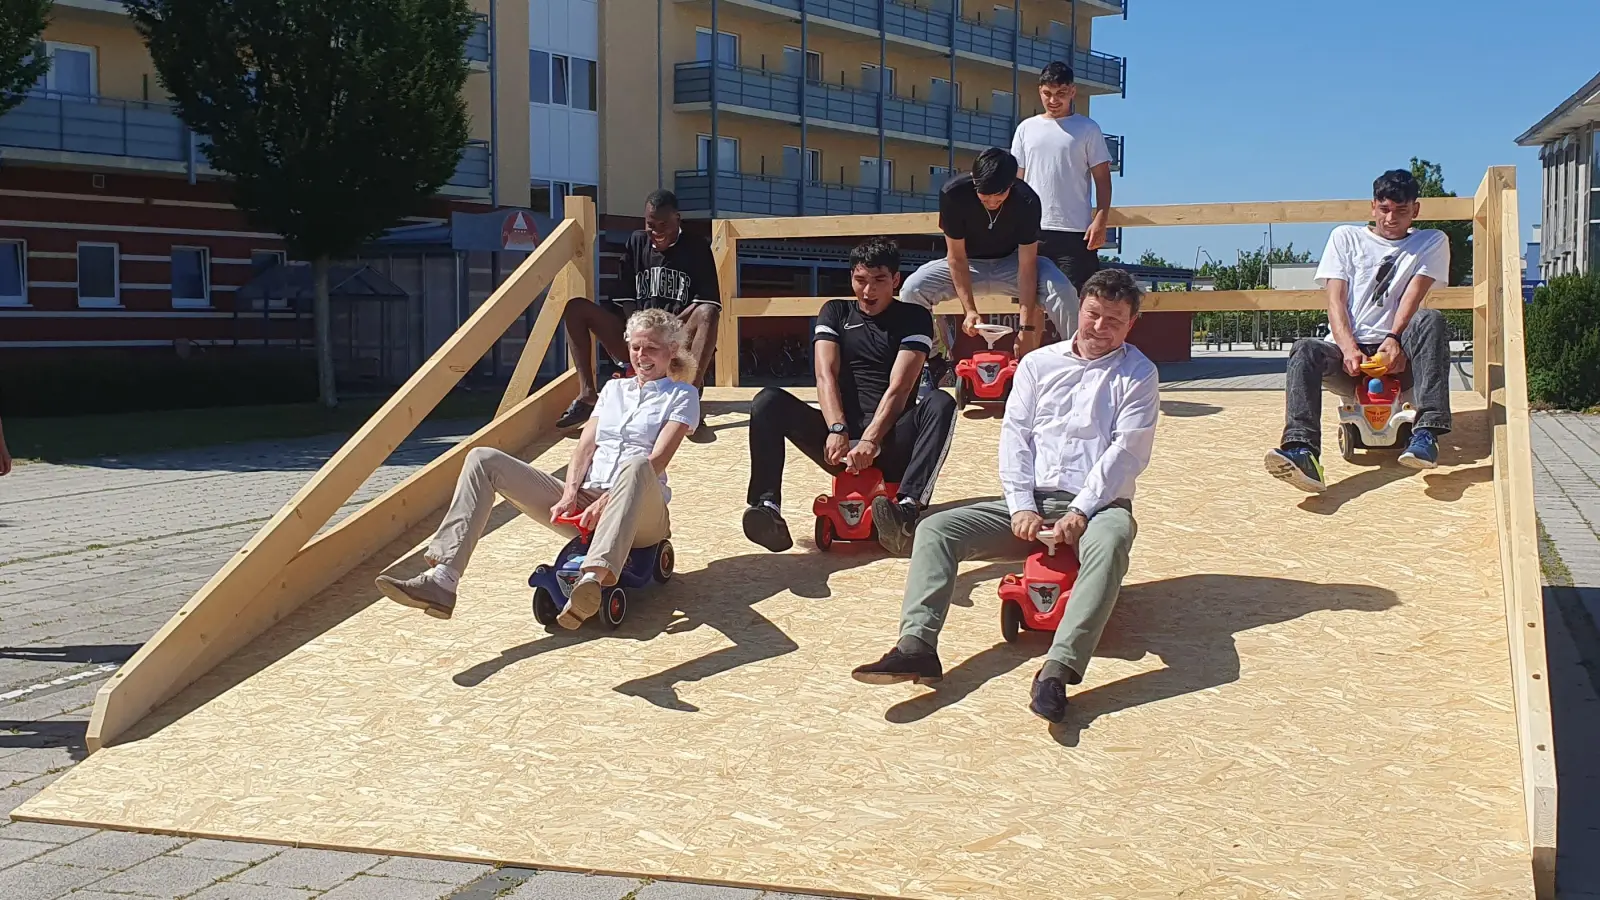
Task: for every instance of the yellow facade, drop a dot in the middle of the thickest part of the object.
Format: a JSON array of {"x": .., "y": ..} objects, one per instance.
[
  {"x": 123, "y": 70},
  {"x": 646, "y": 138}
]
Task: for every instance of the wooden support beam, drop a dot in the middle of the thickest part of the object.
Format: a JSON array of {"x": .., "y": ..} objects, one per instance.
[
  {"x": 1519, "y": 554},
  {"x": 1156, "y": 301},
  {"x": 725, "y": 250},
  {"x": 208, "y": 626},
  {"x": 576, "y": 279},
  {"x": 1263, "y": 213},
  {"x": 1480, "y": 292}
]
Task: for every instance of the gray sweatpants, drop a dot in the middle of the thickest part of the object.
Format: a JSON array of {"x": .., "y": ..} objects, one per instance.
[
  {"x": 636, "y": 515},
  {"x": 931, "y": 284},
  {"x": 983, "y": 531}
]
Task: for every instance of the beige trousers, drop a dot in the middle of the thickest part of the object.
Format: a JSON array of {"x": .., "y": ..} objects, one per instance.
[{"x": 636, "y": 515}]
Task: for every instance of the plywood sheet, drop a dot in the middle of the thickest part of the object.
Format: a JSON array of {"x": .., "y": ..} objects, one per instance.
[{"x": 1295, "y": 697}]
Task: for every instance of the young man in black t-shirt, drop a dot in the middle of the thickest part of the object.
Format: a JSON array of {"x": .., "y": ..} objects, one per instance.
[
  {"x": 869, "y": 353},
  {"x": 990, "y": 221},
  {"x": 663, "y": 267}
]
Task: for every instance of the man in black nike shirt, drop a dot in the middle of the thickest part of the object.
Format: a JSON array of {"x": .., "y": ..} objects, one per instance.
[
  {"x": 868, "y": 353},
  {"x": 663, "y": 267}
]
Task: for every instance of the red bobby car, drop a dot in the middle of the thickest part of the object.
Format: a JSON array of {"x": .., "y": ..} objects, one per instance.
[
  {"x": 985, "y": 377},
  {"x": 846, "y": 514},
  {"x": 1037, "y": 599}
]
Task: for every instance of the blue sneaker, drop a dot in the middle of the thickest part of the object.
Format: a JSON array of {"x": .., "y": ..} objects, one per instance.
[
  {"x": 1422, "y": 452},
  {"x": 1297, "y": 465}
]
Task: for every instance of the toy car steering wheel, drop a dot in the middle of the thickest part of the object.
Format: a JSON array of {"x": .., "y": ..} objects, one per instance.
[{"x": 993, "y": 333}]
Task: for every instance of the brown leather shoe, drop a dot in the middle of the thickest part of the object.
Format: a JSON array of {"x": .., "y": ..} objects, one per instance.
[{"x": 419, "y": 592}]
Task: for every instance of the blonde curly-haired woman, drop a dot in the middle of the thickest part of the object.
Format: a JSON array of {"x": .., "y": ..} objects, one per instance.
[{"x": 617, "y": 478}]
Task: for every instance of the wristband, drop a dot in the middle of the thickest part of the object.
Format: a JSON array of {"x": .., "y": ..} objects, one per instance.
[
  {"x": 1027, "y": 328},
  {"x": 1394, "y": 336}
]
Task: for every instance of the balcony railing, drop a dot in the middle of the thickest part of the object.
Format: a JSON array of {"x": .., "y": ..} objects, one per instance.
[
  {"x": 1114, "y": 145},
  {"x": 780, "y": 93},
  {"x": 476, "y": 167},
  {"x": 989, "y": 40},
  {"x": 478, "y": 41},
  {"x": 50, "y": 120},
  {"x": 767, "y": 195}
]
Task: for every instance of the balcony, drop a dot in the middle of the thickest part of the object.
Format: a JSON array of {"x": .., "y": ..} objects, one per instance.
[
  {"x": 479, "y": 44},
  {"x": 475, "y": 170},
  {"x": 773, "y": 95},
  {"x": 767, "y": 195},
  {"x": 97, "y": 126},
  {"x": 1096, "y": 73},
  {"x": 1114, "y": 145}
]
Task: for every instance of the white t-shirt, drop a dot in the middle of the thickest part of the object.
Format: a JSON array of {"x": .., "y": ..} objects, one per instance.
[
  {"x": 631, "y": 417},
  {"x": 1056, "y": 156},
  {"x": 1378, "y": 271}
]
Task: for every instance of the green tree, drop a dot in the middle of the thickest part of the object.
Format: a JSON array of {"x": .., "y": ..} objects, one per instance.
[
  {"x": 1150, "y": 258},
  {"x": 335, "y": 118},
  {"x": 21, "y": 62},
  {"x": 1562, "y": 326},
  {"x": 1252, "y": 269},
  {"x": 1430, "y": 178}
]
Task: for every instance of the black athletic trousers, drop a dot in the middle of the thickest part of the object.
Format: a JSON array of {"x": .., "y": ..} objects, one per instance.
[
  {"x": 1071, "y": 253},
  {"x": 912, "y": 453}
]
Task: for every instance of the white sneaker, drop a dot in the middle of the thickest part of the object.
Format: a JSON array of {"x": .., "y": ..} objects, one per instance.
[{"x": 584, "y": 602}]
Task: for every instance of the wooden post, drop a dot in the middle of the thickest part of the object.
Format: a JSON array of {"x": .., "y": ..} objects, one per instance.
[
  {"x": 1480, "y": 290},
  {"x": 725, "y": 250},
  {"x": 576, "y": 279}
]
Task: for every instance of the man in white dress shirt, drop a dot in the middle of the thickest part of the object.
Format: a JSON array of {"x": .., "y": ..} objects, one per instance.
[{"x": 1078, "y": 430}]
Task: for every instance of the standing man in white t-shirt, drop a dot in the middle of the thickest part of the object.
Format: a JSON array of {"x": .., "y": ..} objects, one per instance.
[
  {"x": 1376, "y": 276},
  {"x": 1060, "y": 153}
]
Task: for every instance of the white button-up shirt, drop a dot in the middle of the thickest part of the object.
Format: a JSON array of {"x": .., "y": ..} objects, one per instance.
[
  {"x": 631, "y": 417},
  {"x": 1083, "y": 426}
]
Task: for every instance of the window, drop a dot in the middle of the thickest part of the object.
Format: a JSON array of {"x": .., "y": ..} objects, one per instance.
[
  {"x": 583, "y": 84},
  {"x": 791, "y": 163},
  {"x": 97, "y": 275},
  {"x": 1005, "y": 16},
  {"x": 586, "y": 190},
  {"x": 539, "y": 199},
  {"x": 538, "y": 76},
  {"x": 870, "y": 176},
  {"x": 13, "y": 273},
  {"x": 262, "y": 260},
  {"x": 791, "y": 63},
  {"x": 870, "y": 79},
  {"x": 1002, "y": 103},
  {"x": 558, "y": 80},
  {"x": 191, "y": 276},
  {"x": 727, "y": 46},
  {"x": 937, "y": 176},
  {"x": 727, "y": 154},
  {"x": 72, "y": 69},
  {"x": 942, "y": 93},
  {"x": 1060, "y": 33}
]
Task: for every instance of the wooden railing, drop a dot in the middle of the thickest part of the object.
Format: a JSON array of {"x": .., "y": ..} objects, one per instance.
[
  {"x": 287, "y": 562},
  {"x": 1499, "y": 374}
]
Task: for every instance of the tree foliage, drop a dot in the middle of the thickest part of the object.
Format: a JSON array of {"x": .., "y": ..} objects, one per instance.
[
  {"x": 1430, "y": 178},
  {"x": 335, "y": 118},
  {"x": 21, "y": 62},
  {"x": 1252, "y": 269},
  {"x": 1562, "y": 327},
  {"x": 1154, "y": 260}
]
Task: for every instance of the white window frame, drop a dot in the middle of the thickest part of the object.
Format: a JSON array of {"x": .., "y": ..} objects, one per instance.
[
  {"x": 805, "y": 67},
  {"x": 737, "y": 48},
  {"x": 205, "y": 279},
  {"x": 889, "y": 87},
  {"x": 50, "y": 48},
  {"x": 113, "y": 302},
  {"x": 1011, "y": 109},
  {"x": 22, "y": 273},
  {"x": 281, "y": 255},
  {"x": 812, "y": 155},
  {"x": 885, "y": 171}
]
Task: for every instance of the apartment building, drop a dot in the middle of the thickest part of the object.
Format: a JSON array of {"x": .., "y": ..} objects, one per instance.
[
  {"x": 115, "y": 233},
  {"x": 1570, "y": 152}
]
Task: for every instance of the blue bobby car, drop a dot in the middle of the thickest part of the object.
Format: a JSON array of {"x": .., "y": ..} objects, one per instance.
[{"x": 644, "y": 566}]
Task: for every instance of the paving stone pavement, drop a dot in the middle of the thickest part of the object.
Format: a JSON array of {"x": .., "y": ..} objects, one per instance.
[{"x": 138, "y": 536}]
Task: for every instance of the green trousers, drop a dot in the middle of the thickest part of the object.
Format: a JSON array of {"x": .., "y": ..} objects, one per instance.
[{"x": 982, "y": 531}]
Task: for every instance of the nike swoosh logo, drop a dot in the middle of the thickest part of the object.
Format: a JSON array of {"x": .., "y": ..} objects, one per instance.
[{"x": 857, "y": 325}]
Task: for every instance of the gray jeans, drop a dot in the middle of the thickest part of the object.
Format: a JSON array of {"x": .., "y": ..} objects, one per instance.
[
  {"x": 1314, "y": 363},
  {"x": 931, "y": 284},
  {"x": 983, "y": 531}
]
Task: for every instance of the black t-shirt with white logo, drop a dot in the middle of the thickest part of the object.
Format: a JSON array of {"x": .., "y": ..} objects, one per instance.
[
  {"x": 989, "y": 235},
  {"x": 669, "y": 279},
  {"x": 868, "y": 346}
]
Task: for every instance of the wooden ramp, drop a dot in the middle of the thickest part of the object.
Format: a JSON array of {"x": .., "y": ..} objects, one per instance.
[{"x": 1296, "y": 698}]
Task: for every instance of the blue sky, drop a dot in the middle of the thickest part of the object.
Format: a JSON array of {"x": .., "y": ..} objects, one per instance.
[{"x": 1299, "y": 100}]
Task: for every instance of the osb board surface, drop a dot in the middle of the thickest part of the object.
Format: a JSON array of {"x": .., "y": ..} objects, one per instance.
[{"x": 1295, "y": 697}]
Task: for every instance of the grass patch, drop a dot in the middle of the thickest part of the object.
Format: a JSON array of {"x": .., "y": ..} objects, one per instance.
[
  {"x": 1551, "y": 566},
  {"x": 61, "y": 439}
]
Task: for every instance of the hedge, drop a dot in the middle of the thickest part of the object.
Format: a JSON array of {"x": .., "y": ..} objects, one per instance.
[
  {"x": 68, "y": 384},
  {"x": 1562, "y": 331}
]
